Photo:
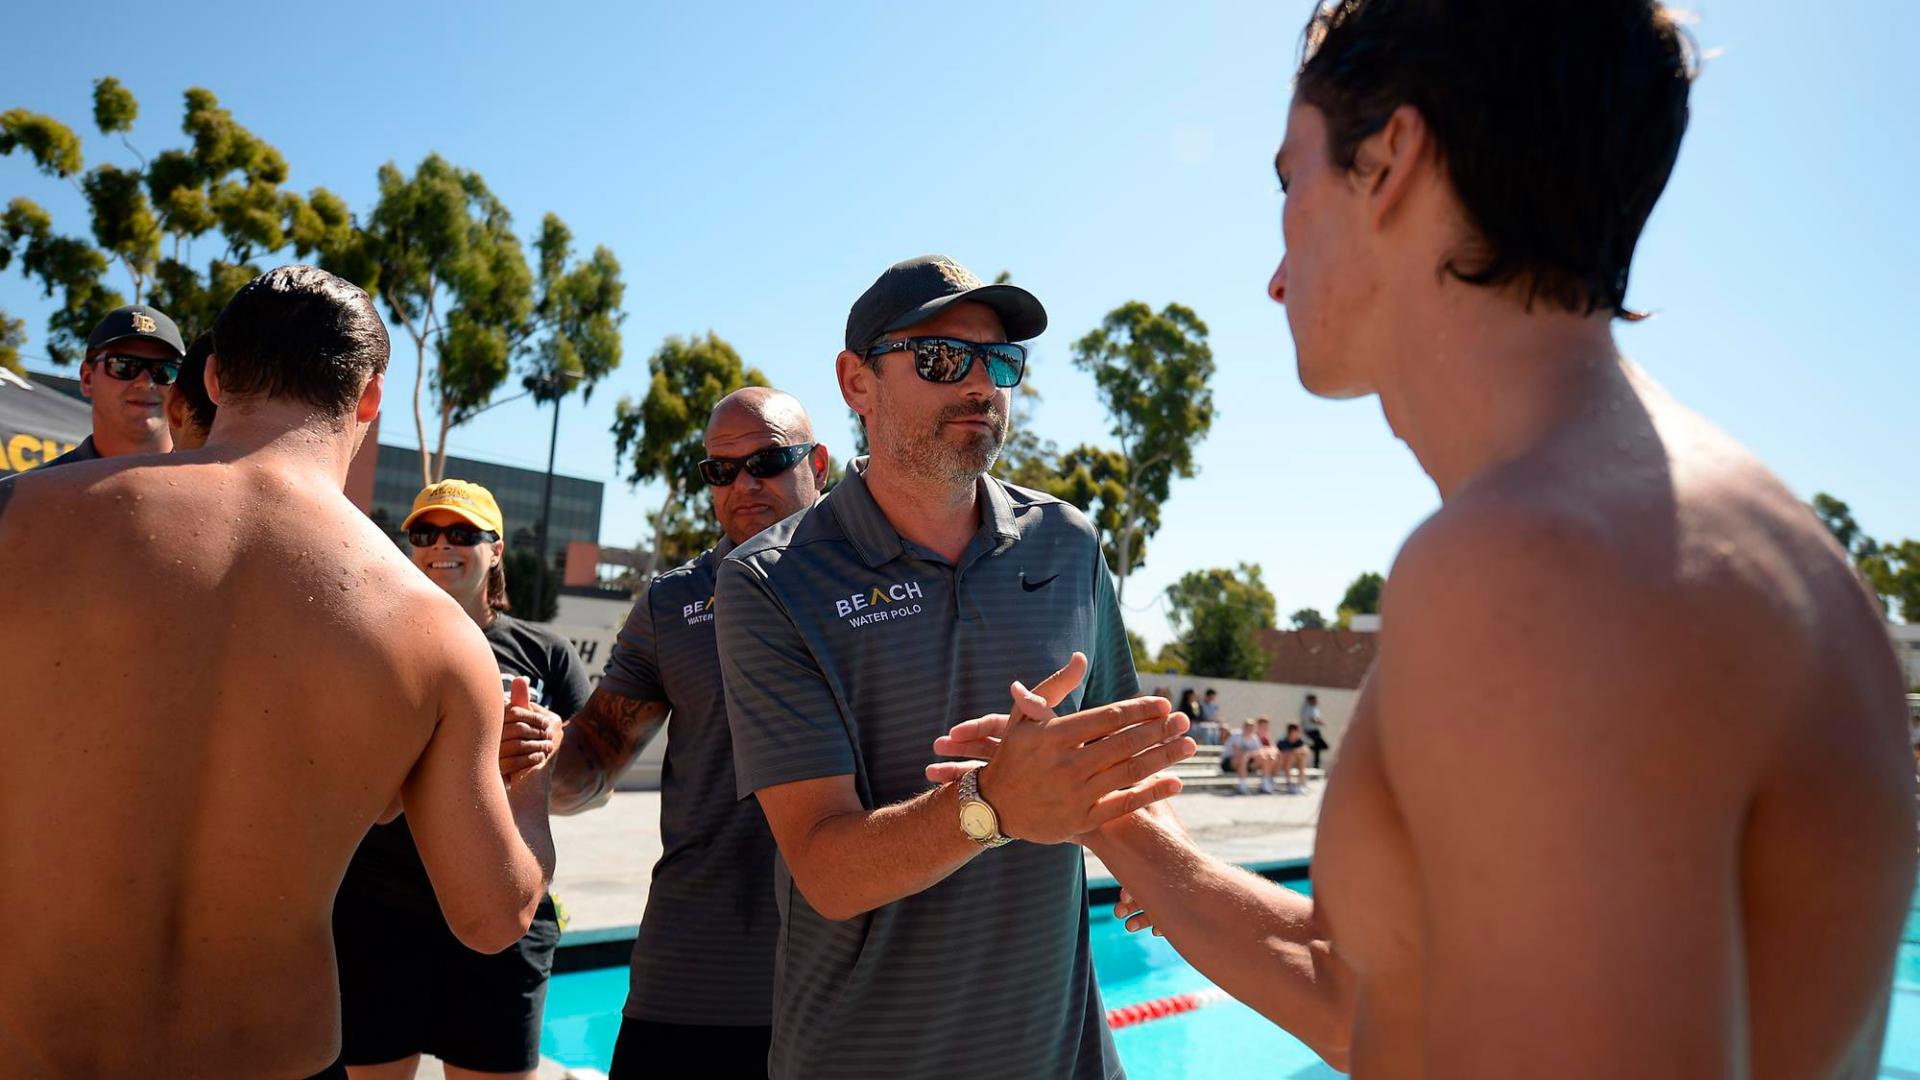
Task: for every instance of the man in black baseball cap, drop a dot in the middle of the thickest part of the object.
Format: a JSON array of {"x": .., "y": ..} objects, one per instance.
[
  {"x": 133, "y": 355},
  {"x": 908, "y": 599},
  {"x": 915, "y": 290}
]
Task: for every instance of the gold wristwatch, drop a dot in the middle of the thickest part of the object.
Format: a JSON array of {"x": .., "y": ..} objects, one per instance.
[{"x": 977, "y": 819}]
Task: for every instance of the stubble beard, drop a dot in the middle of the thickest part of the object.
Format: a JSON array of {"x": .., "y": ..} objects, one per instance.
[{"x": 928, "y": 455}]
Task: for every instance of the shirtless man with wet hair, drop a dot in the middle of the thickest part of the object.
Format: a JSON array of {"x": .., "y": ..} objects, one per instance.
[
  {"x": 1465, "y": 185},
  {"x": 171, "y": 862}
]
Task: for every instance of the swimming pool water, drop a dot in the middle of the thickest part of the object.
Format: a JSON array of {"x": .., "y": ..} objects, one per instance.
[{"x": 583, "y": 1014}]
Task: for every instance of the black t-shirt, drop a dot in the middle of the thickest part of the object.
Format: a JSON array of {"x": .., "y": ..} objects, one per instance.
[{"x": 387, "y": 867}]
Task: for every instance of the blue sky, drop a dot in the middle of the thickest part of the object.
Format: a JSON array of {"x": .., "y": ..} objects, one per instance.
[{"x": 755, "y": 166}]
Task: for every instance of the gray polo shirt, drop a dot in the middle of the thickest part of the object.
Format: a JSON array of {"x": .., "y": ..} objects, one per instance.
[
  {"x": 846, "y": 651},
  {"x": 705, "y": 952}
]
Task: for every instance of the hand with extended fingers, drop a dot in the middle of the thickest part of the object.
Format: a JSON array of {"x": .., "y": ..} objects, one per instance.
[
  {"x": 530, "y": 733},
  {"x": 1052, "y": 778}
]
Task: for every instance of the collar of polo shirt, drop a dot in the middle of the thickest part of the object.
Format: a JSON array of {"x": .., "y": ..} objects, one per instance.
[{"x": 875, "y": 538}]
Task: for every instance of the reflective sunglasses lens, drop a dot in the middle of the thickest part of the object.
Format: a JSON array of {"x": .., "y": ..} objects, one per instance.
[
  {"x": 462, "y": 535},
  {"x": 769, "y": 462},
  {"x": 718, "y": 473},
  {"x": 420, "y": 537},
  {"x": 164, "y": 372},
  {"x": 1006, "y": 363},
  {"x": 943, "y": 361}
]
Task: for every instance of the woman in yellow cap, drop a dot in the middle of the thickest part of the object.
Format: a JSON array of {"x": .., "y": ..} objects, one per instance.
[{"x": 407, "y": 985}]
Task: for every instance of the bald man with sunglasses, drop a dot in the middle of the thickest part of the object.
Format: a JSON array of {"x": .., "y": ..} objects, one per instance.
[{"x": 702, "y": 978}]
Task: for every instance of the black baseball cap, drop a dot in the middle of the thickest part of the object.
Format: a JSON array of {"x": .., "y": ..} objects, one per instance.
[
  {"x": 136, "y": 321},
  {"x": 912, "y": 291}
]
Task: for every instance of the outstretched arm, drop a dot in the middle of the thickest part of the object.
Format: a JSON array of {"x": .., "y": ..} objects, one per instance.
[
  {"x": 600, "y": 744},
  {"x": 484, "y": 842},
  {"x": 1257, "y": 940}
]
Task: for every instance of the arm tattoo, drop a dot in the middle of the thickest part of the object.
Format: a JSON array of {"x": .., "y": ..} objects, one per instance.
[{"x": 601, "y": 742}]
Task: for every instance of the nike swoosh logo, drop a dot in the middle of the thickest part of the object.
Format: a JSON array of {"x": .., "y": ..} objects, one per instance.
[{"x": 1033, "y": 586}]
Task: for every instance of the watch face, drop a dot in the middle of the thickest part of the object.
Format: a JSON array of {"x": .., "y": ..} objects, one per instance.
[{"x": 976, "y": 820}]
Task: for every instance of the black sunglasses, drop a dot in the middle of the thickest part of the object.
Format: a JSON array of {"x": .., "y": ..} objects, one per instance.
[
  {"x": 947, "y": 360},
  {"x": 128, "y": 368},
  {"x": 761, "y": 464},
  {"x": 458, "y": 534}
]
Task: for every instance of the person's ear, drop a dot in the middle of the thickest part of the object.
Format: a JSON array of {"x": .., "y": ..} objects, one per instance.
[
  {"x": 175, "y": 405},
  {"x": 369, "y": 405},
  {"x": 859, "y": 383},
  {"x": 86, "y": 378},
  {"x": 1386, "y": 162},
  {"x": 821, "y": 462}
]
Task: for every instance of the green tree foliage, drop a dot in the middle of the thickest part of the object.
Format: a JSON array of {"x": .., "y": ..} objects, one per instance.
[
  {"x": 1218, "y": 615},
  {"x": 226, "y": 183},
  {"x": 1308, "y": 619},
  {"x": 1837, "y": 516},
  {"x": 1891, "y": 570},
  {"x": 663, "y": 436},
  {"x": 13, "y": 334},
  {"x": 1363, "y": 596},
  {"x": 54, "y": 147},
  {"x": 451, "y": 271},
  {"x": 576, "y": 316},
  {"x": 440, "y": 251},
  {"x": 689, "y": 530},
  {"x": 532, "y": 587},
  {"x": 1152, "y": 371}
]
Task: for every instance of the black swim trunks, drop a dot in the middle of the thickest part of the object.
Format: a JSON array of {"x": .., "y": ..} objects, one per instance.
[{"x": 408, "y": 986}]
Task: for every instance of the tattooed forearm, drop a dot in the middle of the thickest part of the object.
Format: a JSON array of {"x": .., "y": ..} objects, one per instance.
[{"x": 601, "y": 742}]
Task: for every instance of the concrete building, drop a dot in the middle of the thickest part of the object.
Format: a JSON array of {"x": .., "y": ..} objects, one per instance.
[{"x": 576, "y": 502}]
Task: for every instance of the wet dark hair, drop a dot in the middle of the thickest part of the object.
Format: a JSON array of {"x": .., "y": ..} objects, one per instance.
[
  {"x": 299, "y": 332},
  {"x": 1558, "y": 124},
  {"x": 192, "y": 382}
]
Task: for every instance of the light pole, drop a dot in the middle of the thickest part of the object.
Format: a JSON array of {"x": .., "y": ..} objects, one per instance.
[{"x": 557, "y": 382}]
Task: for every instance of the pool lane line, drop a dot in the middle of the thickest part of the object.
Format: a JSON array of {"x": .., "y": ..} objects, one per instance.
[{"x": 1162, "y": 1007}]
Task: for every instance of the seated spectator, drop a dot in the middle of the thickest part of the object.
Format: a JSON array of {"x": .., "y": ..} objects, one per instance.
[
  {"x": 1292, "y": 752},
  {"x": 1246, "y": 752}
]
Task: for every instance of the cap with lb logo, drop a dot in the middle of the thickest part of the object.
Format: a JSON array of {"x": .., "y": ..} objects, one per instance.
[{"x": 136, "y": 321}]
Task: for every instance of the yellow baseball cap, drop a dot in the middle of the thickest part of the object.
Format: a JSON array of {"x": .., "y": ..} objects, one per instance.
[{"x": 462, "y": 497}]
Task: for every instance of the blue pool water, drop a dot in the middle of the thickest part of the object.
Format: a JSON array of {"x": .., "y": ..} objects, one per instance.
[{"x": 583, "y": 1014}]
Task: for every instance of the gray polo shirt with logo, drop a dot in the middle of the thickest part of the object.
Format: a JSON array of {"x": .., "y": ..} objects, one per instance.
[
  {"x": 705, "y": 951},
  {"x": 847, "y": 651}
]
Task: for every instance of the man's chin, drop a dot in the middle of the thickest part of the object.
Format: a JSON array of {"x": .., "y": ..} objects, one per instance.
[
  {"x": 1333, "y": 385},
  {"x": 744, "y": 527}
]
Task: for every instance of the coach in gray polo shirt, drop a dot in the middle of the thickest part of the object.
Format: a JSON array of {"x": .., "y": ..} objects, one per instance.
[
  {"x": 702, "y": 980},
  {"x": 913, "y": 596}
]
